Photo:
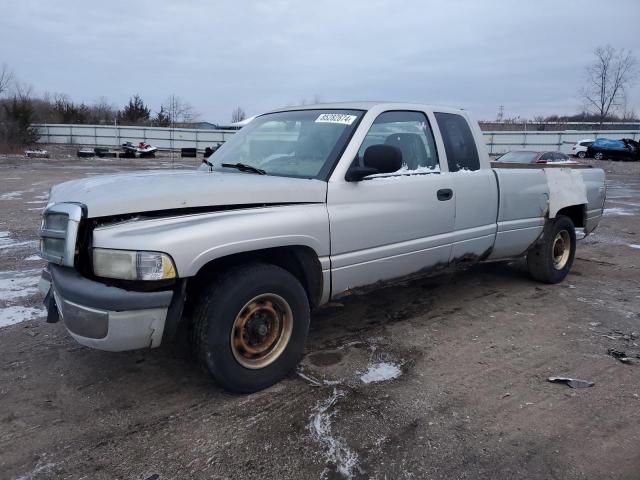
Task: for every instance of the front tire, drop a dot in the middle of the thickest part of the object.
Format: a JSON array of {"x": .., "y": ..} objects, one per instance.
[
  {"x": 598, "y": 156},
  {"x": 550, "y": 260},
  {"x": 249, "y": 327},
  {"x": 582, "y": 154}
]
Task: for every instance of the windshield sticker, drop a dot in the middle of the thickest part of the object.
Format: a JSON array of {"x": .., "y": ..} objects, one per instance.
[{"x": 335, "y": 118}]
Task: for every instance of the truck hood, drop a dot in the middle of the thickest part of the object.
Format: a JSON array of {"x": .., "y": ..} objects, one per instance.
[{"x": 148, "y": 191}]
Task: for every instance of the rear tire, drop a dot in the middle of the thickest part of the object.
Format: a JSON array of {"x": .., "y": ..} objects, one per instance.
[
  {"x": 550, "y": 260},
  {"x": 249, "y": 327},
  {"x": 582, "y": 154}
]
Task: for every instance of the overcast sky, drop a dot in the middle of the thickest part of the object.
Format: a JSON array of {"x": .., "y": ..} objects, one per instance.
[{"x": 526, "y": 55}]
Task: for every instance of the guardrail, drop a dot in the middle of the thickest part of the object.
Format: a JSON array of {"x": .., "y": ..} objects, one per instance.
[{"x": 176, "y": 138}]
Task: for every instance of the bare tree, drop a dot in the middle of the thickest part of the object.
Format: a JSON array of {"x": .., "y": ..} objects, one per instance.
[
  {"x": 103, "y": 111},
  {"x": 608, "y": 77},
  {"x": 238, "y": 115},
  {"x": 6, "y": 78},
  {"x": 178, "y": 111}
]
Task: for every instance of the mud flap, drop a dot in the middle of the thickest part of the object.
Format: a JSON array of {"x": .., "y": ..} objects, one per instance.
[{"x": 53, "y": 316}]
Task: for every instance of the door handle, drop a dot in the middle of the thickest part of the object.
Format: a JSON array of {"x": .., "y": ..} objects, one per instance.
[{"x": 445, "y": 194}]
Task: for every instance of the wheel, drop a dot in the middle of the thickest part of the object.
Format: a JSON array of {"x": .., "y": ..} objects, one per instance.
[
  {"x": 550, "y": 260},
  {"x": 598, "y": 156},
  {"x": 249, "y": 327},
  {"x": 582, "y": 154}
]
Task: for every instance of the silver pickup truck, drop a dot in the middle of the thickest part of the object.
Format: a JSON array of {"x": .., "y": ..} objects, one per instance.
[{"x": 300, "y": 206}]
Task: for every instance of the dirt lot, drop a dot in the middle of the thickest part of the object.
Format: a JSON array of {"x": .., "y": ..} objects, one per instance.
[{"x": 440, "y": 378}]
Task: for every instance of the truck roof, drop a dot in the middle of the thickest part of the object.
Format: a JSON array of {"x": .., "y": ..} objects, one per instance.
[{"x": 368, "y": 105}]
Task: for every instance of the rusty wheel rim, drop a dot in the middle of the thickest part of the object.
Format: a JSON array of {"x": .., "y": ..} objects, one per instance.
[
  {"x": 261, "y": 331},
  {"x": 561, "y": 249}
]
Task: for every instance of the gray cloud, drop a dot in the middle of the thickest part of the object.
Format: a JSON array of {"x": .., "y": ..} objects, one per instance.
[{"x": 527, "y": 56}]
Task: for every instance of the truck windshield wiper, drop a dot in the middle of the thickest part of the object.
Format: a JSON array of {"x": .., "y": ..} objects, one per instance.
[{"x": 243, "y": 167}]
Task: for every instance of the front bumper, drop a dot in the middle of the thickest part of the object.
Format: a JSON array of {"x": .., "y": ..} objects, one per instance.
[{"x": 104, "y": 317}]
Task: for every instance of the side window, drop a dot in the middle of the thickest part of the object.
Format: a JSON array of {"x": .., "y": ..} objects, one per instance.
[
  {"x": 547, "y": 157},
  {"x": 411, "y": 133},
  {"x": 459, "y": 143}
]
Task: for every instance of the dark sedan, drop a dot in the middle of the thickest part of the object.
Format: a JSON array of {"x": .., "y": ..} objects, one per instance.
[
  {"x": 625, "y": 149},
  {"x": 527, "y": 156}
]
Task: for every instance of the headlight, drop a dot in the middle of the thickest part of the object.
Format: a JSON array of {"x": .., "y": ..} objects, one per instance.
[{"x": 132, "y": 265}]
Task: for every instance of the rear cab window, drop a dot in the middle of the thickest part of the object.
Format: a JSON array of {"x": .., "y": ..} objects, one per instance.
[{"x": 459, "y": 143}]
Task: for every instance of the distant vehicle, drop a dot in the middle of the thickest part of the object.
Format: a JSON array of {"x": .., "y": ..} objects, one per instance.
[
  {"x": 580, "y": 149},
  {"x": 143, "y": 149},
  {"x": 528, "y": 156},
  {"x": 624, "y": 149}
]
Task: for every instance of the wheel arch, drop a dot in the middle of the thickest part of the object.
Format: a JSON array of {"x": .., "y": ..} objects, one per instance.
[
  {"x": 577, "y": 214},
  {"x": 299, "y": 260}
]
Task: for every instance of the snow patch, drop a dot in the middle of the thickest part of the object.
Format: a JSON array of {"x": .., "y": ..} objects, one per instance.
[
  {"x": 17, "y": 313},
  {"x": 337, "y": 452},
  {"x": 5, "y": 245},
  {"x": 405, "y": 171},
  {"x": 42, "y": 466},
  {"x": 11, "y": 195},
  {"x": 379, "y": 372},
  {"x": 33, "y": 258},
  {"x": 633, "y": 245},
  {"x": 7, "y": 242},
  {"x": 15, "y": 285},
  {"x": 617, "y": 212}
]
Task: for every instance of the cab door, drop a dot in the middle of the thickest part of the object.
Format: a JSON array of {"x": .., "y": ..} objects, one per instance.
[
  {"x": 391, "y": 225},
  {"x": 475, "y": 187}
]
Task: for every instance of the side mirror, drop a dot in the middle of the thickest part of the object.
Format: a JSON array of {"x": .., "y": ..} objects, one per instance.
[{"x": 377, "y": 159}]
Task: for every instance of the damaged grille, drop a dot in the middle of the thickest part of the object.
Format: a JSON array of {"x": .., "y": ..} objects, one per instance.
[{"x": 59, "y": 231}]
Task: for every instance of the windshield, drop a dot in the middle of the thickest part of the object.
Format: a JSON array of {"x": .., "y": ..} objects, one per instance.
[
  {"x": 518, "y": 157},
  {"x": 302, "y": 143}
]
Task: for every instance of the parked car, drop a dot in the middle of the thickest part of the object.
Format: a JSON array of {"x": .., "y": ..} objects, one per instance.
[
  {"x": 527, "y": 156},
  {"x": 302, "y": 205},
  {"x": 580, "y": 149},
  {"x": 624, "y": 149}
]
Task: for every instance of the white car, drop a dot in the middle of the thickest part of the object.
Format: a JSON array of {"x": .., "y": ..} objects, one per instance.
[{"x": 580, "y": 149}]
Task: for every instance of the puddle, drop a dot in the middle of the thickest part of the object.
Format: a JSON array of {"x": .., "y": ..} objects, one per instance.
[{"x": 326, "y": 358}]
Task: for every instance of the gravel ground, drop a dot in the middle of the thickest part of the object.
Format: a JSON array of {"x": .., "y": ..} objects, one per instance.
[{"x": 440, "y": 378}]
